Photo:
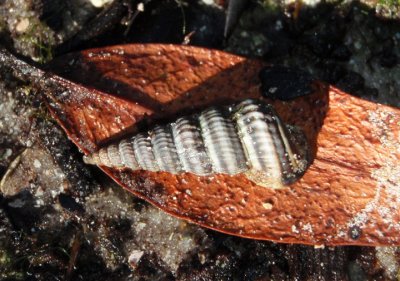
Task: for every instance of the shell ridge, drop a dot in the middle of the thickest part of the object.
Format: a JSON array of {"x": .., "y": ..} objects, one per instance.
[
  {"x": 190, "y": 146},
  {"x": 143, "y": 152},
  {"x": 164, "y": 149},
  {"x": 127, "y": 153},
  {"x": 221, "y": 142}
]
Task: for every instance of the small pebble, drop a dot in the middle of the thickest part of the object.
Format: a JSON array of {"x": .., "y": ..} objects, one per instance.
[
  {"x": 134, "y": 258},
  {"x": 37, "y": 164},
  {"x": 22, "y": 25}
]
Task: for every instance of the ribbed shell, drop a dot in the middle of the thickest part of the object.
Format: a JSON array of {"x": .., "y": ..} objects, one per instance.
[{"x": 247, "y": 138}]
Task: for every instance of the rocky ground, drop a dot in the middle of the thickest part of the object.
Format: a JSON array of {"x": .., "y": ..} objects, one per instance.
[{"x": 62, "y": 220}]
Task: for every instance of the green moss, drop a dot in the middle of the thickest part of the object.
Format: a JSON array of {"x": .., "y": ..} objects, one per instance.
[
  {"x": 30, "y": 96},
  {"x": 390, "y": 3},
  {"x": 3, "y": 25},
  {"x": 39, "y": 37},
  {"x": 7, "y": 268},
  {"x": 5, "y": 259},
  {"x": 269, "y": 5}
]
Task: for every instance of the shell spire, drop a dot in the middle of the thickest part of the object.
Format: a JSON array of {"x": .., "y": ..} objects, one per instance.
[{"x": 248, "y": 137}]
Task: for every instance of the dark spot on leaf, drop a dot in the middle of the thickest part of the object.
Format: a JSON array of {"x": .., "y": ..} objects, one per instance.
[
  {"x": 355, "y": 232},
  {"x": 278, "y": 82}
]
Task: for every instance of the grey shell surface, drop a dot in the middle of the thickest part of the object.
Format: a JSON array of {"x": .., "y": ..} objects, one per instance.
[{"x": 247, "y": 137}]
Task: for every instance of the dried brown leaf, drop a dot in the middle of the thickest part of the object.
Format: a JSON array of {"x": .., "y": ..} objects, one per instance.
[{"x": 349, "y": 195}]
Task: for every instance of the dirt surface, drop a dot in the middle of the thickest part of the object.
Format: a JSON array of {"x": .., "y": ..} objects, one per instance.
[{"x": 63, "y": 220}]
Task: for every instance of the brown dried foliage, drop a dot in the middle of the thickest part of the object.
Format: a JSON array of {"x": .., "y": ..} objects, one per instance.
[{"x": 349, "y": 195}]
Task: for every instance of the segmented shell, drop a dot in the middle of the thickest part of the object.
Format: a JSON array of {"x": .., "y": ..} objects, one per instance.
[{"x": 248, "y": 137}]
